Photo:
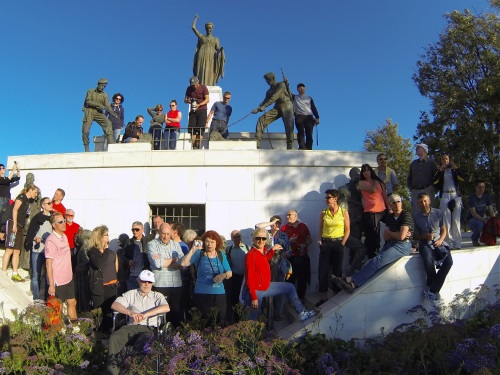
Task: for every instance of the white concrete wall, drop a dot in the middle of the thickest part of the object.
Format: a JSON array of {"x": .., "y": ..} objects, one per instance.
[
  {"x": 239, "y": 188},
  {"x": 384, "y": 300}
]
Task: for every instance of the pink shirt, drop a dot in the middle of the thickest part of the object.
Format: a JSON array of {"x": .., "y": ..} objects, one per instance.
[
  {"x": 57, "y": 248},
  {"x": 373, "y": 202}
]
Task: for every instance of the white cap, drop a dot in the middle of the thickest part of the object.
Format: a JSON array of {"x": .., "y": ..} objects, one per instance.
[{"x": 147, "y": 276}]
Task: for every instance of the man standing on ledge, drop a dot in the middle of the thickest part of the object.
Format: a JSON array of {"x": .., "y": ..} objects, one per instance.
[
  {"x": 306, "y": 117},
  {"x": 96, "y": 101},
  {"x": 197, "y": 95},
  {"x": 221, "y": 111},
  {"x": 283, "y": 108},
  {"x": 421, "y": 176}
]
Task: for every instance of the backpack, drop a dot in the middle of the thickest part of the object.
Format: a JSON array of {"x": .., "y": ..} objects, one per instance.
[{"x": 490, "y": 232}]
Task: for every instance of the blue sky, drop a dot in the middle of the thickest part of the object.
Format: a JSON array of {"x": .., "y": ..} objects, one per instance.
[{"x": 355, "y": 57}]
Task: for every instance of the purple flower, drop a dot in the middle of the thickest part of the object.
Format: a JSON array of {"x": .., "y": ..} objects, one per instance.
[
  {"x": 177, "y": 342},
  {"x": 84, "y": 364},
  {"x": 194, "y": 337},
  {"x": 495, "y": 331},
  {"x": 58, "y": 366},
  {"x": 4, "y": 354}
]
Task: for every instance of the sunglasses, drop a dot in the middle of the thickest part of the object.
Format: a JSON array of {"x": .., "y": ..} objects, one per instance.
[
  {"x": 173, "y": 105},
  {"x": 226, "y": 98},
  {"x": 136, "y": 229},
  {"x": 260, "y": 238},
  {"x": 146, "y": 282},
  {"x": 70, "y": 215},
  {"x": 328, "y": 198},
  {"x": 382, "y": 159},
  {"x": 118, "y": 98},
  {"x": 60, "y": 222},
  {"x": 395, "y": 202}
]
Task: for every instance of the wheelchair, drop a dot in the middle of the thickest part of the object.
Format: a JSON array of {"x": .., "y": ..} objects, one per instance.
[{"x": 160, "y": 330}]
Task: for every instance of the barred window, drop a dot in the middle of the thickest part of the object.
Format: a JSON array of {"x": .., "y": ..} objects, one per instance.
[{"x": 192, "y": 216}]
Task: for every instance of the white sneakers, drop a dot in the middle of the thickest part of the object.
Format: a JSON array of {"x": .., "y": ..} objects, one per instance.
[{"x": 306, "y": 314}]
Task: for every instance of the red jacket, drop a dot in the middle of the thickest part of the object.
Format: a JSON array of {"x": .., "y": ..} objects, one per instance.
[{"x": 257, "y": 270}]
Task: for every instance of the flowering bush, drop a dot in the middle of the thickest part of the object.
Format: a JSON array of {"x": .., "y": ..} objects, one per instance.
[
  {"x": 437, "y": 342},
  {"x": 58, "y": 349}
]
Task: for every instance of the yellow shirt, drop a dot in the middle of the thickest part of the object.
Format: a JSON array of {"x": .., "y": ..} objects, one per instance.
[{"x": 333, "y": 225}]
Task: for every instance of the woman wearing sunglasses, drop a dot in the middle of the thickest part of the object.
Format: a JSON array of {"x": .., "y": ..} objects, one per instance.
[
  {"x": 258, "y": 278},
  {"x": 103, "y": 275}
]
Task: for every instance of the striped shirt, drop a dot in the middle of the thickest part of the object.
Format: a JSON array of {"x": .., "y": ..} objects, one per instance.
[{"x": 165, "y": 277}]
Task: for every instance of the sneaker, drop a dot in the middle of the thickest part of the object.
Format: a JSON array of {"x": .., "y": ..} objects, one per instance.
[
  {"x": 432, "y": 297},
  {"x": 475, "y": 243},
  {"x": 17, "y": 278},
  {"x": 343, "y": 284},
  {"x": 306, "y": 314}
]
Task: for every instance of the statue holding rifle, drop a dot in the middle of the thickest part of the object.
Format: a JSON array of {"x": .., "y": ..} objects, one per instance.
[{"x": 279, "y": 94}]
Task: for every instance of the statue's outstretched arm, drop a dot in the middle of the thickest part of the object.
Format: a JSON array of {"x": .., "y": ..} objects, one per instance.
[{"x": 193, "y": 26}]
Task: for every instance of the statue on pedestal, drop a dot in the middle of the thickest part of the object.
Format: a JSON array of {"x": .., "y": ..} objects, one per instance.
[{"x": 209, "y": 59}]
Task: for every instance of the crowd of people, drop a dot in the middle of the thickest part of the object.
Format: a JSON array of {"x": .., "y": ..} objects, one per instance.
[
  {"x": 165, "y": 127},
  {"x": 172, "y": 269}
]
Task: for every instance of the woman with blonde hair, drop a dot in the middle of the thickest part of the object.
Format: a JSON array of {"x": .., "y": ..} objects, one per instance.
[
  {"x": 103, "y": 274},
  {"x": 15, "y": 225}
]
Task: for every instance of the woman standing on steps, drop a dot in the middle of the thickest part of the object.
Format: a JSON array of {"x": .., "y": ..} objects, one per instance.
[
  {"x": 375, "y": 204},
  {"x": 334, "y": 234}
]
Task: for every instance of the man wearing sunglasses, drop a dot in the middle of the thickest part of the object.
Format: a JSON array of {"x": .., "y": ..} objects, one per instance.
[
  {"x": 136, "y": 255},
  {"x": 58, "y": 264},
  {"x": 221, "y": 112},
  {"x": 397, "y": 235},
  {"x": 141, "y": 306}
]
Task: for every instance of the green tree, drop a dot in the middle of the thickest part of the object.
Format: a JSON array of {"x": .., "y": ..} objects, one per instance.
[
  {"x": 460, "y": 74},
  {"x": 398, "y": 150}
]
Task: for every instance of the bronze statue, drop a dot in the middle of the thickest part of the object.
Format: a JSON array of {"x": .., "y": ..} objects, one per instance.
[
  {"x": 209, "y": 58},
  {"x": 96, "y": 101},
  {"x": 279, "y": 93}
]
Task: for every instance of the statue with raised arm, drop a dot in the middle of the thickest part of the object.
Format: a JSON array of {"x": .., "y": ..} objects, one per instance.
[{"x": 209, "y": 58}]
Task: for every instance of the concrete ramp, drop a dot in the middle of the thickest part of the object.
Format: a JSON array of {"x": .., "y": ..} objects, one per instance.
[{"x": 382, "y": 303}]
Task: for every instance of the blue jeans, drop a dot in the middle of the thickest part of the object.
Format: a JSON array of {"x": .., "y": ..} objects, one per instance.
[
  {"x": 169, "y": 138},
  {"x": 116, "y": 134},
  {"x": 37, "y": 261},
  {"x": 219, "y": 126},
  {"x": 276, "y": 289},
  {"x": 476, "y": 227},
  {"x": 155, "y": 131},
  {"x": 435, "y": 280},
  {"x": 392, "y": 251}
]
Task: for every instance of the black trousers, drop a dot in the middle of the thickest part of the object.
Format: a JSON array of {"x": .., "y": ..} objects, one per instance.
[
  {"x": 301, "y": 273},
  {"x": 304, "y": 125},
  {"x": 104, "y": 301},
  {"x": 173, "y": 296},
  {"x": 205, "y": 302}
]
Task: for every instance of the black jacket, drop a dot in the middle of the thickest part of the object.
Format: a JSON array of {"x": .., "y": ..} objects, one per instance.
[
  {"x": 129, "y": 253},
  {"x": 438, "y": 180},
  {"x": 35, "y": 225}
]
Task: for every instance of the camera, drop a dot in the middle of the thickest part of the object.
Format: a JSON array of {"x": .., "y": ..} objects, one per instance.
[
  {"x": 194, "y": 105},
  {"x": 197, "y": 243}
]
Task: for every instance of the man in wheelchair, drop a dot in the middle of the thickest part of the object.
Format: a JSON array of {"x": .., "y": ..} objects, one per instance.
[{"x": 141, "y": 306}]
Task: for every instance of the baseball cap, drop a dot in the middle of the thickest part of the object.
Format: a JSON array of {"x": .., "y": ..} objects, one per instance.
[
  {"x": 147, "y": 276},
  {"x": 193, "y": 80},
  {"x": 423, "y": 145}
]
